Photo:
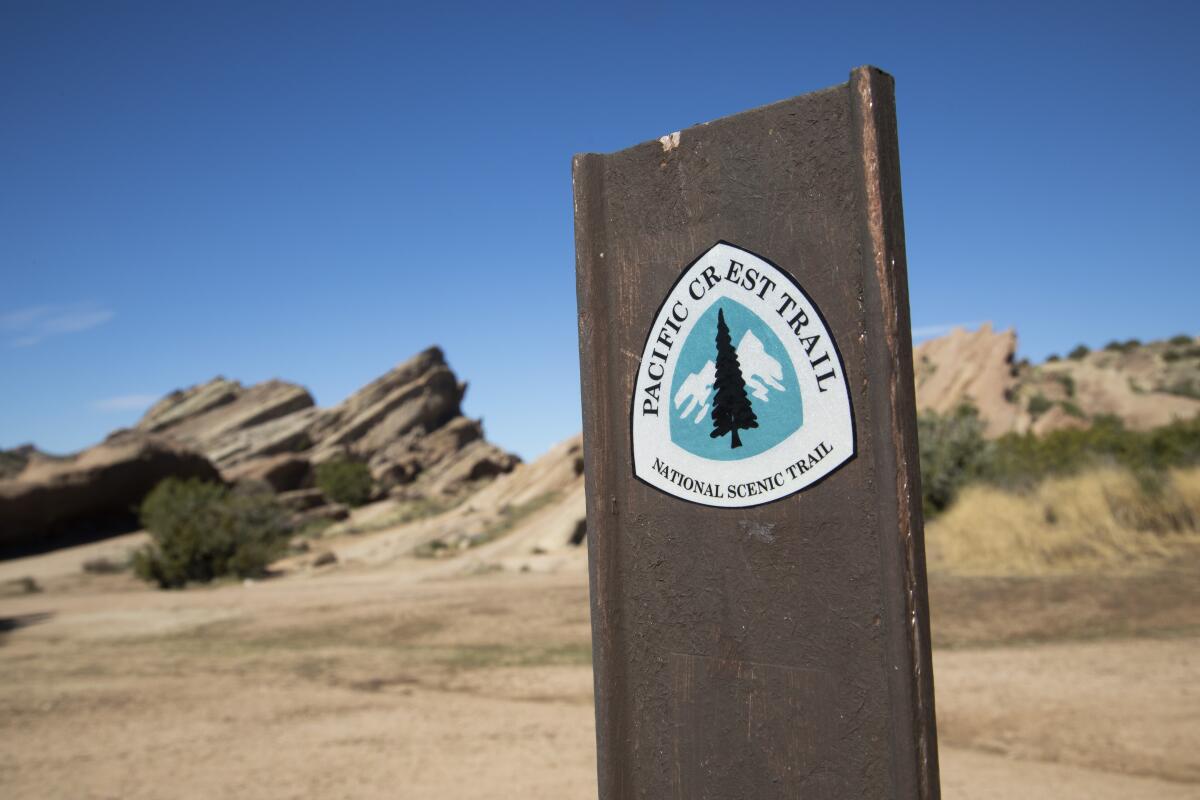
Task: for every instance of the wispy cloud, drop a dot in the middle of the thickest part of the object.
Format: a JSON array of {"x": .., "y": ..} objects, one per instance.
[
  {"x": 929, "y": 331},
  {"x": 125, "y": 402},
  {"x": 25, "y": 327}
]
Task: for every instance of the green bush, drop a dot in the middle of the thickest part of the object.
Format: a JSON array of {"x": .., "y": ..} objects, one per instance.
[
  {"x": 1022, "y": 460},
  {"x": 346, "y": 482},
  {"x": 1073, "y": 409},
  {"x": 203, "y": 530},
  {"x": 953, "y": 453},
  {"x": 1039, "y": 404},
  {"x": 1180, "y": 339},
  {"x": 1079, "y": 352}
]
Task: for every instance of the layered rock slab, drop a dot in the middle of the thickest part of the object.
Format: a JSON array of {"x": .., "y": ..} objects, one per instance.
[
  {"x": 94, "y": 492},
  {"x": 1144, "y": 385},
  {"x": 407, "y": 426}
]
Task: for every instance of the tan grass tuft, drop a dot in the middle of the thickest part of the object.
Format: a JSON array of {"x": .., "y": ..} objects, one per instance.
[{"x": 1097, "y": 520}]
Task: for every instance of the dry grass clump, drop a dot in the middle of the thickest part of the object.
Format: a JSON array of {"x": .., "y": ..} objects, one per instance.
[{"x": 1100, "y": 519}]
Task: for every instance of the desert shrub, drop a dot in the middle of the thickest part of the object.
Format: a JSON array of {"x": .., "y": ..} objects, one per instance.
[
  {"x": 1039, "y": 404},
  {"x": 1180, "y": 339},
  {"x": 346, "y": 482},
  {"x": 1079, "y": 352},
  {"x": 1073, "y": 409},
  {"x": 953, "y": 453},
  {"x": 1067, "y": 381},
  {"x": 203, "y": 530}
]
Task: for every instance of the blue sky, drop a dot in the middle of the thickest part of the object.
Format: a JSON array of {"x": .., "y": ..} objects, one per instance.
[{"x": 314, "y": 191}]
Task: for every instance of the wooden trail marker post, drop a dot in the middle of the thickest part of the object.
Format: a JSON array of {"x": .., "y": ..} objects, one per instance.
[{"x": 759, "y": 609}]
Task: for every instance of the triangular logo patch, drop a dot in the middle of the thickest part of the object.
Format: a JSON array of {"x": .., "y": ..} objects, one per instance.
[{"x": 741, "y": 396}]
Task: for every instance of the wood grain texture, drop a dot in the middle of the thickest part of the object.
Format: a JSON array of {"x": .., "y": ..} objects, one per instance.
[{"x": 782, "y": 650}]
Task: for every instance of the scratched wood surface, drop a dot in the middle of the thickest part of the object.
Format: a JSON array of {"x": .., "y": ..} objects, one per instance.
[{"x": 778, "y": 651}]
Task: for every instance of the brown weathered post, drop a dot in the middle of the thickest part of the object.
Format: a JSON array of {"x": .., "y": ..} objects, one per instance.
[{"x": 759, "y": 609}]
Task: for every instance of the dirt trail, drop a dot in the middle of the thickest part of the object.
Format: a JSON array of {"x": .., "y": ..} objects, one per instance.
[{"x": 394, "y": 682}]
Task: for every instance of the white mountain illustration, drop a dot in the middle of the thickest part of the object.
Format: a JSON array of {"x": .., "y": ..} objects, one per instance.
[{"x": 759, "y": 370}]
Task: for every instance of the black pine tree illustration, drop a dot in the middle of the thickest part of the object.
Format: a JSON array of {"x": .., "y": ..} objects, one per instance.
[{"x": 731, "y": 407}]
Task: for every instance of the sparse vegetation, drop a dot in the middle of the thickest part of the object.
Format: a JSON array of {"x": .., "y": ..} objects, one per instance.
[
  {"x": 312, "y": 529},
  {"x": 510, "y": 517},
  {"x": 11, "y": 463},
  {"x": 1068, "y": 382},
  {"x": 102, "y": 565},
  {"x": 345, "y": 481},
  {"x": 1180, "y": 340},
  {"x": 1079, "y": 352},
  {"x": 1123, "y": 347},
  {"x": 202, "y": 531},
  {"x": 1179, "y": 355},
  {"x": 405, "y": 512},
  {"x": 19, "y": 586},
  {"x": 1184, "y": 388}
]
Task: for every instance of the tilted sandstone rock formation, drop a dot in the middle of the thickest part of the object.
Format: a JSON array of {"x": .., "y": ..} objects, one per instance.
[
  {"x": 969, "y": 366},
  {"x": 406, "y": 425},
  {"x": 231, "y": 423},
  {"x": 1145, "y": 385},
  {"x": 283, "y": 473},
  {"x": 93, "y": 492},
  {"x": 409, "y": 429}
]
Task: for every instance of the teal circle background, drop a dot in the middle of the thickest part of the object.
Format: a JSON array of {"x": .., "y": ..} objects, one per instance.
[{"x": 781, "y": 415}]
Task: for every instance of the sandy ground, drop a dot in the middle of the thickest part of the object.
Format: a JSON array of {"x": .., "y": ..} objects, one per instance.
[{"x": 410, "y": 681}]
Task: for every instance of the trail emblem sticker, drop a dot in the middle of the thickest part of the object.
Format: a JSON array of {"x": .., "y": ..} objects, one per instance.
[{"x": 741, "y": 396}]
